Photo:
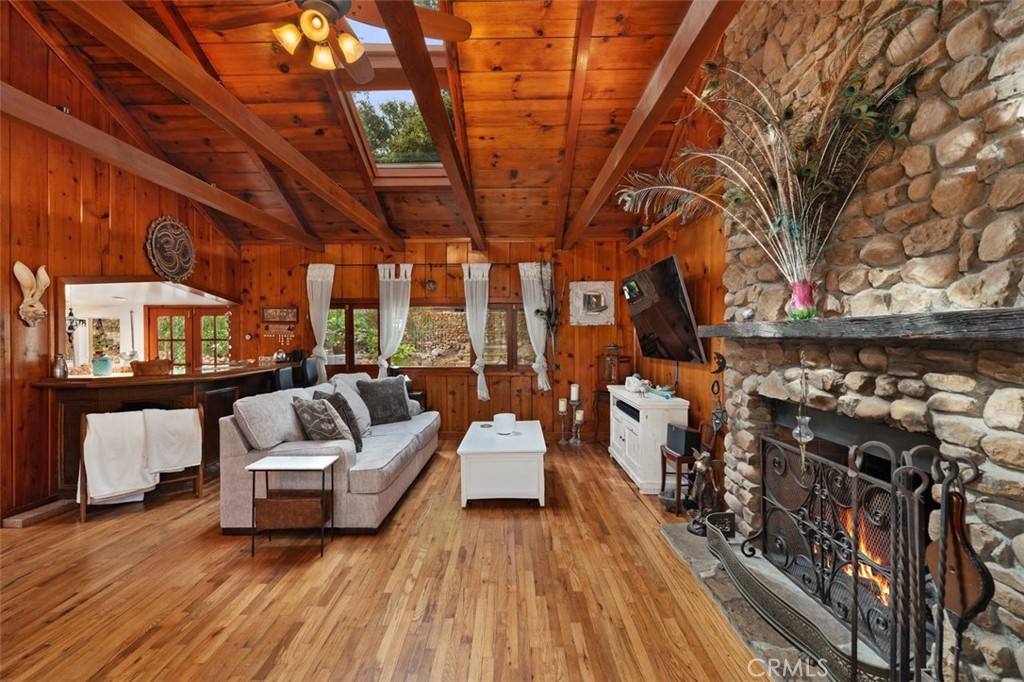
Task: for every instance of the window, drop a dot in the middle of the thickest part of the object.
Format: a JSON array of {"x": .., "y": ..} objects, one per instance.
[
  {"x": 215, "y": 346},
  {"x": 435, "y": 337},
  {"x": 358, "y": 340},
  {"x": 193, "y": 337},
  {"x": 168, "y": 330}
]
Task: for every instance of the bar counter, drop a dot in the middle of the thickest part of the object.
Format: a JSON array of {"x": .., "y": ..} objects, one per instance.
[{"x": 69, "y": 399}]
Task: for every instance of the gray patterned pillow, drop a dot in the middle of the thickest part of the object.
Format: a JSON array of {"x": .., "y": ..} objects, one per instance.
[
  {"x": 320, "y": 420},
  {"x": 386, "y": 400},
  {"x": 342, "y": 407}
]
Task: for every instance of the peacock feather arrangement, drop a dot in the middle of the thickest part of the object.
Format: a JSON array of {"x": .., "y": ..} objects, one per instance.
[{"x": 787, "y": 175}]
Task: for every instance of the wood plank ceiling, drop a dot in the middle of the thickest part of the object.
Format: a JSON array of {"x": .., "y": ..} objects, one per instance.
[{"x": 543, "y": 90}]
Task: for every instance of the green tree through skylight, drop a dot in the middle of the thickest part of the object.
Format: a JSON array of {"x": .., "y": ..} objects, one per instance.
[{"x": 396, "y": 131}]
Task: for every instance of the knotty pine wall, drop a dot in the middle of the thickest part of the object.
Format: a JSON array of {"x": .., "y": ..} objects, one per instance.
[
  {"x": 80, "y": 217},
  {"x": 274, "y": 276}
]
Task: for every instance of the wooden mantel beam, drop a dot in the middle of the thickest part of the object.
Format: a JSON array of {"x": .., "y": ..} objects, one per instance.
[
  {"x": 38, "y": 115},
  {"x": 131, "y": 37},
  {"x": 403, "y": 26},
  {"x": 699, "y": 32}
]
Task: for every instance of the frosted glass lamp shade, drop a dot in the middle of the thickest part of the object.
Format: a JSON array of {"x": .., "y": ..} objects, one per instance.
[
  {"x": 350, "y": 46},
  {"x": 289, "y": 36},
  {"x": 315, "y": 25},
  {"x": 323, "y": 58},
  {"x": 504, "y": 423}
]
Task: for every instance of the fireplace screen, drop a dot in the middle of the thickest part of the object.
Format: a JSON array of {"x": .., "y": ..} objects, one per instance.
[{"x": 808, "y": 535}]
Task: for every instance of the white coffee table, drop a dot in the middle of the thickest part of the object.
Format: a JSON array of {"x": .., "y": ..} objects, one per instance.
[{"x": 503, "y": 466}]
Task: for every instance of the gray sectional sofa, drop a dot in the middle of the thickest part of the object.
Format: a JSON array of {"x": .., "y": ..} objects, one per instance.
[{"x": 368, "y": 485}]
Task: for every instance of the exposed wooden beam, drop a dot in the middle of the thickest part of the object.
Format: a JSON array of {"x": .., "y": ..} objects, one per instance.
[
  {"x": 451, "y": 54},
  {"x": 129, "y": 36},
  {"x": 584, "y": 33},
  {"x": 699, "y": 32},
  {"x": 403, "y": 26},
  {"x": 78, "y": 66},
  {"x": 187, "y": 43},
  {"x": 348, "y": 118},
  {"x": 38, "y": 115}
]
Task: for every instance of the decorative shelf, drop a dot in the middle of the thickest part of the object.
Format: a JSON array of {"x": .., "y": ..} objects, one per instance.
[
  {"x": 990, "y": 325},
  {"x": 666, "y": 227}
]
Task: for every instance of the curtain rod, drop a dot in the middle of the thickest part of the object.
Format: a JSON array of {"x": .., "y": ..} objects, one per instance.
[{"x": 431, "y": 265}]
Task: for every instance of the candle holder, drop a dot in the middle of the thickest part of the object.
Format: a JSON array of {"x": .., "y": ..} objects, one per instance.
[
  {"x": 561, "y": 430},
  {"x": 576, "y": 423}
]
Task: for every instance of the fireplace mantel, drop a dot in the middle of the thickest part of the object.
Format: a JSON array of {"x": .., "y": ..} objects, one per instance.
[{"x": 974, "y": 327}]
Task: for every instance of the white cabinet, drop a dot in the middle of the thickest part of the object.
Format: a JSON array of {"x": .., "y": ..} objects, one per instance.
[{"x": 638, "y": 430}]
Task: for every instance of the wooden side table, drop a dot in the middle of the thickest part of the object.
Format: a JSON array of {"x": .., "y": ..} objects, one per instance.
[{"x": 292, "y": 508}]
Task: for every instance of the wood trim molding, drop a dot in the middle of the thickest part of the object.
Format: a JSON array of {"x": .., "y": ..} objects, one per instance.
[
  {"x": 73, "y": 59},
  {"x": 132, "y": 38},
  {"x": 38, "y": 115},
  {"x": 403, "y": 25},
  {"x": 698, "y": 34},
  {"x": 584, "y": 34}
]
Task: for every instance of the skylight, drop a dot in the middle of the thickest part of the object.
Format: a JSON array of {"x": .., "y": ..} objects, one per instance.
[{"x": 394, "y": 127}]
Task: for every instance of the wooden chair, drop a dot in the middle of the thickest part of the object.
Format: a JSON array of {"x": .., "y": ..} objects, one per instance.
[
  {"x": 148, "y": 368},
  {"x": 706, "y": 437}
]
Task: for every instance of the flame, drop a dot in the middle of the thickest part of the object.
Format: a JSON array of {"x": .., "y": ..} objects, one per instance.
[{"x": 866, "y": 572}]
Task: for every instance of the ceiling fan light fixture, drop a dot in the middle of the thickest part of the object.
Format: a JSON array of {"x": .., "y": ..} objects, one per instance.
[
  {"x": 350, "y": 46},
  {"x": 289, "y": 36},
  {"x": 315, "y": 25},
  {"x": 323, "y": 58}
]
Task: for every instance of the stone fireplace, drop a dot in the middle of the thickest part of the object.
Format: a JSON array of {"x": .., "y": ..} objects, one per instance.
[{"x": 936, "y": 236}]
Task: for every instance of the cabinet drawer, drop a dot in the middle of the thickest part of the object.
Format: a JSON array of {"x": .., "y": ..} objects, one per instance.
[{"x": 292, "y": 509}]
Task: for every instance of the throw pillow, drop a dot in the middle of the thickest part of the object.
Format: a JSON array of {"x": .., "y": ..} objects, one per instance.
[
  {"x": 355, "y": 401},
  {"x": 320, "y": 420},
  {"x": 386, "y": 399},
  {"x": 342, "y": 407}
]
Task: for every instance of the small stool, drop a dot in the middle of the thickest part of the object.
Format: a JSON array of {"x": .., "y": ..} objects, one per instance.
[{"x": 678, "y": 461}]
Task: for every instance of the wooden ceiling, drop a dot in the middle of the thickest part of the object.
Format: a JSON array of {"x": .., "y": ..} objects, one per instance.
[{"x": 544, "y": 93}]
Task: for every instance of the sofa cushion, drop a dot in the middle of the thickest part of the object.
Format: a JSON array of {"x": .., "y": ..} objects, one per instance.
[
  {"x": 386, "y": 400},
  {"x": 386, "y": 454},
  {"x": 350, "y": 394},
  {"x": 269, "y": 418},
  {"x": 341, "y": 405},
  {"x": 320, "y": 420}
]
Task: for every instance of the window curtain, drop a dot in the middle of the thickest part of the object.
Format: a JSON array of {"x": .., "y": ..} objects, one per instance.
[
  {"x": 476, "y": 278},
  {"x": 394, "y": 310},
  {"x": 533, "y": 276},
  {"x": 319, "y": 280}
]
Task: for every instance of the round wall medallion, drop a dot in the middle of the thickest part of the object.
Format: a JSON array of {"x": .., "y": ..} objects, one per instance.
[{"x": 170, "y": 248}]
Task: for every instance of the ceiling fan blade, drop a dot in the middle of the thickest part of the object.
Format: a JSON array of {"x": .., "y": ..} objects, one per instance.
[
  {"x": 435, "y": 24},
  {"x": 283, "y": 10},
  {"x": 361, "y": 70}
]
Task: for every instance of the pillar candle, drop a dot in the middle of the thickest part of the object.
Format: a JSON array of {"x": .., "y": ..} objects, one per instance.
[
  {"x": 574, "y": 392},
  {"x": 579, "y": 415},
  {"x": 563, "y": 405}
]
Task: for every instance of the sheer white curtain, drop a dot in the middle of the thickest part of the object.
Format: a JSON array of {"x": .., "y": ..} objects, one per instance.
[
  {"x": 394, "y": 309},
  {"x": 476, "y": 280},
  {"x": 319, "y": 280},
  {"x": 533, "y": 277}
]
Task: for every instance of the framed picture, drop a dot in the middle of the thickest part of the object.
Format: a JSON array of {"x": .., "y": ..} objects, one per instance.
[
  {"x": 591, "y": 304},
  {"x": 288, "y": 314}
]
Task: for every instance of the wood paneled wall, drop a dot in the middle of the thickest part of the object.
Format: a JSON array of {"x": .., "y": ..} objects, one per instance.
[
  {"x": 275, "y": 276},
  {"x": 80, "y": 217}
]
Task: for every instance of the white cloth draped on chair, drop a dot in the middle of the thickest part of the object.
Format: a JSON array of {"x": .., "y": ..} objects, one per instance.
[
  {"x": 533, "y": 277},
  {"x": 476, "y": 278},
  {"x": 394, "y": 309},
  {"x": 319, "y": 281}
]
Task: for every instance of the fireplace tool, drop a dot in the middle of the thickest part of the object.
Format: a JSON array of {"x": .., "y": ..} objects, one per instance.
[
  {"x": 854, "y": 462},
  {"x": 963, "y": 583},
  {"x": 908, "y": 637}
]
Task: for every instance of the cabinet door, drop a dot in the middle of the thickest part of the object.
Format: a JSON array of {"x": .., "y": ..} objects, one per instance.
[
  {"x": 631, "y": 431},
  {"x": 615, "y": 432}
]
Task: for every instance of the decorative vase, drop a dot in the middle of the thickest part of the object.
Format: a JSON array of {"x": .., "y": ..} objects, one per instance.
[
  {"x": 801, "y": 301},
  {"x": 102, "y": 366}
]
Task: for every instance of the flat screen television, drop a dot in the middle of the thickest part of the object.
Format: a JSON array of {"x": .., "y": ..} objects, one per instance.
[{"x": 662, "y": 315}]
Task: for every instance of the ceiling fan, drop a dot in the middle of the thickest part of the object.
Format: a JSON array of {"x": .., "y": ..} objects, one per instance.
[{"x": 325, "y": 24}]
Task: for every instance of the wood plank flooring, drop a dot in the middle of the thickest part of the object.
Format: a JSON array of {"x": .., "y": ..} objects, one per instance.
[{"x": 582, "y": 589}]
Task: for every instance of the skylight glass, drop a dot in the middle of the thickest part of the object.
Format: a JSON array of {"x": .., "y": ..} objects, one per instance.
[{"x": 395, "y": 129}]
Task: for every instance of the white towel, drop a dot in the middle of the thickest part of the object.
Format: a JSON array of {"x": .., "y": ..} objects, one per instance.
[
  {"x": 174, "y": 439},
  {"x": 114, "y": 452}
]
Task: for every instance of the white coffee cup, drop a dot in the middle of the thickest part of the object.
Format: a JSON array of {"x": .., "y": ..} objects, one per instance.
[{"x": 505, "y": 423}]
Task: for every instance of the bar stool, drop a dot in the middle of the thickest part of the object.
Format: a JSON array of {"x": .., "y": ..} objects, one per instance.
[{"x": 706, "y": 437}]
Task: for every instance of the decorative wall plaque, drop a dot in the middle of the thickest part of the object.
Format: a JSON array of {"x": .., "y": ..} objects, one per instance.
[
  {"x": 170, "y": 248},
  {"x": 591, "y": 303}
]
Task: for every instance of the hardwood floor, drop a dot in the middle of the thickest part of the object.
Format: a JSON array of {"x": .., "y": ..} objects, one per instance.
[{"x": 583, "y": 589}]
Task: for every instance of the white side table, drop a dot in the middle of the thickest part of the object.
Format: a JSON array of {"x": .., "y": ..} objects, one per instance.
[
  {"x": 292, "y": 508},
  {"x": 503, "y": 466}
]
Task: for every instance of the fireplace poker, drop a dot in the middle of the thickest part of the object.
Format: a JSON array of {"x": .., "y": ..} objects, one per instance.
[
  {"x": 952, "y": 472},
  {"x": 854, "y": 462},
  {"x": 909, "y": 607}
]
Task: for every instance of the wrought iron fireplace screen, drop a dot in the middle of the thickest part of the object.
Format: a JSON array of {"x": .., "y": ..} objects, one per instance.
[{"x": 808, "y": 534}]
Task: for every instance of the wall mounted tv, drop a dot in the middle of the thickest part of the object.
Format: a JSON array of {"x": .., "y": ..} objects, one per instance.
[{"x": 661, "y": 312}]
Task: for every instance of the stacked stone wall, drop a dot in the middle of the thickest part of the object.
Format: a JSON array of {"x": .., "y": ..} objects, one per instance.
[{"x": 937, "y": 225}]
